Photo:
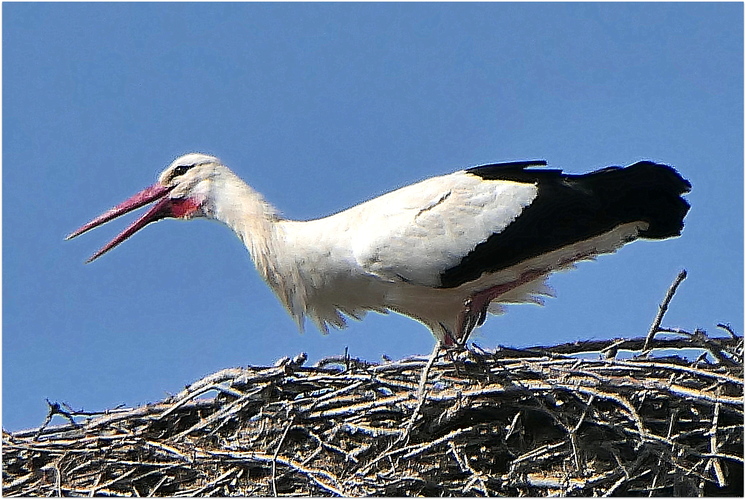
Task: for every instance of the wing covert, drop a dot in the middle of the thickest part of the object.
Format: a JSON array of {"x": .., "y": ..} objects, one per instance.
[{"x": 417, "y": 232}]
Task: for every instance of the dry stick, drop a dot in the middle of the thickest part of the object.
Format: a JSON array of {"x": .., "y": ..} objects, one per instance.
[
  {"x": 82, "y": 413},
  {"x": 435, "y": 442},
  {"x": 413, "y": 450},
  {"x": 54, "y": 409},
  {"x": 20, "y": 481},
  {"x": 688, "y": 370},
  {"x": 714, "y": 462},
  {"x": 728, "y": 329},
  {"x": 112, "y": 418},
  {"x": 328, "y": 446},
  {"x": 160, "y": 482},
  {"x": 672, "y": 418},
  {"x": 530, "y": 455},
  {"x": 661, "y": 311},
  {"x": 168, "y": 449},
  {"x": 475, "y": 476},
  {"x": 421, "y": 391},
  {"x": 574, "y": 431},
  {"x": 614, "y": 486},
  {"x": 98, "y": 487},
  {"x": 232, "y": 408},
  {"x": 262, "y": 457},
  {"x": 225, "y": 390},
  {"x": 593, "y": 346},
  {"x": 214, "y": 482},
  {"x": 277, "y": 452},
  {"x": 57, "y": 480}
]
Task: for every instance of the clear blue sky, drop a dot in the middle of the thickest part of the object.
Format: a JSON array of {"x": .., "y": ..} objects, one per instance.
[{"x": 320, "y": 107}]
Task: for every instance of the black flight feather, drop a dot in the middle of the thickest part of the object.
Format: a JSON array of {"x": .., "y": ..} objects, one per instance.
[{"x": 572, "y": 208}]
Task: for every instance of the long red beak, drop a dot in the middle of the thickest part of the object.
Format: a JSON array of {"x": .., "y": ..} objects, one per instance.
[{"x": 162, "y": 209}]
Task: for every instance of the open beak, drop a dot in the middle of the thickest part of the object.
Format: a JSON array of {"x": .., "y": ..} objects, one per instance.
[{"x": 164, "y": 208}]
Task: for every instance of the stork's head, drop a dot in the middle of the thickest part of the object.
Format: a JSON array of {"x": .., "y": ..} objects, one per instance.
[{"x": 183, "y": 191}]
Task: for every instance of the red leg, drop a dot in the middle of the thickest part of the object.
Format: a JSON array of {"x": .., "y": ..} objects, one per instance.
[
  {"x": 449, "y": 340},
  {"x": 475, "y": 307}
]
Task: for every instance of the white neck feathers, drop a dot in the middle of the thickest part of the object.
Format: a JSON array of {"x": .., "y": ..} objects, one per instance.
[{"x": 244, "y": 210}]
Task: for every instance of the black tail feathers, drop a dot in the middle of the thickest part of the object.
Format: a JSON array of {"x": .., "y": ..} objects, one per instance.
[
  {"x": 573, "y": 208},
  {"x": 645, "y": 191}
]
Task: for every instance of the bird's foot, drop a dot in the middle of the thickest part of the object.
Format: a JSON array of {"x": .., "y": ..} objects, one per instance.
[
  {"x": 472, "y": 316},
  {"x": 475, "y": 307}
]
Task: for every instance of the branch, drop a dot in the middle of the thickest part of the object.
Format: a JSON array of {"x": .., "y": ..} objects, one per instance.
[{"x": 662, "y": 311}]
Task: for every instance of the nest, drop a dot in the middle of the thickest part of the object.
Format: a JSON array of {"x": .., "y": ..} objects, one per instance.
[{"x": 540, "y": 421}]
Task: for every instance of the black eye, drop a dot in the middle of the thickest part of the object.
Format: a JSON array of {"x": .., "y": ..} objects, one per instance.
[{"x": 181, "y": 170}]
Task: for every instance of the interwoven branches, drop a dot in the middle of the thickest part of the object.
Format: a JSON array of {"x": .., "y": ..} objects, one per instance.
[{"x": 513, "y": 422}]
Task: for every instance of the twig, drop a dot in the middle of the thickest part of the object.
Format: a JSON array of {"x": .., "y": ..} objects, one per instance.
[
  {"x": 714, "y": 462},
  {"x": 214, "y": 482},
  {"x": 662, "y": 311},
  {"x": 54, "y": 409},
  {"x": 160, "y": 482},
  {"x": 421, "y": 391},
  {"x": 170, "y": 450},
  {"x": 112, "y": 481},
  {"x": 728, "y": 329},
  {"x": 614, "y": 486},
  {"x": 313, "y": 474},
  {"x": 592, "y": 346},
  {"x": 232, "y": 408},
  {"x": 436, "y": 442},
  {"x": 277, "y": 452}
]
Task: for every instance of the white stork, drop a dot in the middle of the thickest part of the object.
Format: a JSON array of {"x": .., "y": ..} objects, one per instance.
[{"x": 444, "y": 251}]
